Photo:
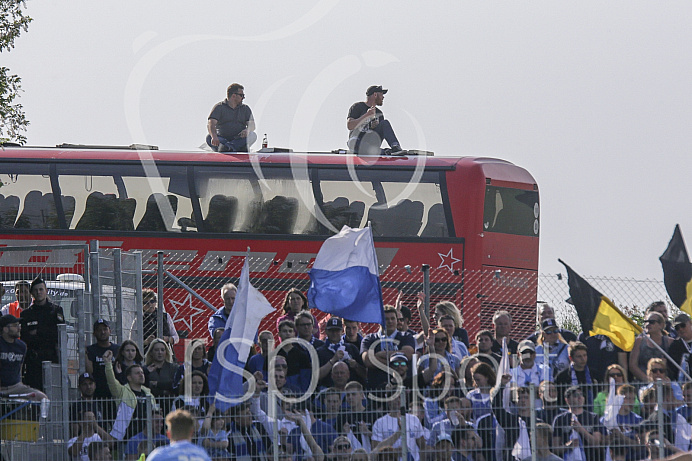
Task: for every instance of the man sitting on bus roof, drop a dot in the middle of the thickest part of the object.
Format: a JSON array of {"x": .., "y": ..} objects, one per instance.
[
  {"x": 231, "y": 125},
  {"x": 368, "y": 126},
  {"x": 23, "y": 299}
]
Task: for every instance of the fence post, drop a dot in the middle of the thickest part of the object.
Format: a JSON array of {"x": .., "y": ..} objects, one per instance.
[
  {"x": 404, "y": 430},
  {"x": 95, "y": 283},
  {"x": 80, "y": 315},
  {"x": 160, "y": 318},
  {"x": 426, "y": 289},
  {"x": 118, "y": 292},
  {"x": 64, "y": 381},
  {"x": 659, "y": 412},
  {"x": 139, "y": 324},
  {"x": 532, "y": 400},
  {"x": 149, "y": 428}
]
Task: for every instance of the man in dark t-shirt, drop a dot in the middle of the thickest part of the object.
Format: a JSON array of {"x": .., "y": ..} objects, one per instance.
[
  {"x": 368, "y": 127},
  {"x": 12, "y": 354},
  {"x": 94, "y": 357},
  {"x": 230, "y": 125}
]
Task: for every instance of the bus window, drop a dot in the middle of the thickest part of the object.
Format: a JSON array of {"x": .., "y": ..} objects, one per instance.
[
  {"x": 125, "y": 197},
  {"x": 396, "y": 203},
  {"x": 27, "y": 200},
  {"x": 239, "y": 200},
  {"x": 511, "y": 211}
]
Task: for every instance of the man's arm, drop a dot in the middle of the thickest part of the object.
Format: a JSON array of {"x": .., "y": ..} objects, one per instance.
[
  {"x": 352, "y": 123},
  {"x": 211, "y": 128},
  {"x": 115, "y": 387}
]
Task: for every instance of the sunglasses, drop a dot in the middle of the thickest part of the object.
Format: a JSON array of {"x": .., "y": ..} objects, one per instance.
[
  {"x": 550, "y": 332},
  {"x": 242, "y": 96},
  {"x": 658, "y": 370},
  {"x": 343, "y": 446},
  {"x": 151, "y": 301},
  {"x": 399, "y": 364},
  {"x": 615, "y": 375}
]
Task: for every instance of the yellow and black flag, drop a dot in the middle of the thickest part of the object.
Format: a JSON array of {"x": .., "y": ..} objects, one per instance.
[
  {"x": 598, "y": 315},
  {"x": 677, "y": 272}
]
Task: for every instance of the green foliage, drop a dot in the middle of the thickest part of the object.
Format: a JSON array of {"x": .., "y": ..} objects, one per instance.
[
  {"x": 12, "y": 23},
  {"x": 568, "y": 319}
]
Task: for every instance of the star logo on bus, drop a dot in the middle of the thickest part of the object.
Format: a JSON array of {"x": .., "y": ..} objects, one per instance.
[
  {"x": 448, "y": 260},
  {"x": 185, "y": 306}
]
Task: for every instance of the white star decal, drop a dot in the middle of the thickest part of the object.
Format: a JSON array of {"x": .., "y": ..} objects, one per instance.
[
  {"x": 186, "y": 306},
  {"x": 448, "y": 260}
]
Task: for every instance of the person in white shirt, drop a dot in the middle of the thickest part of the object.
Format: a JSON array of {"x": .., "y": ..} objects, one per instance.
[{"x": 388, "y": 426}]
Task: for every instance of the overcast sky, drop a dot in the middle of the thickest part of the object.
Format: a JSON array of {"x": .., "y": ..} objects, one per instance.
[{"x": 590, "y": 97}]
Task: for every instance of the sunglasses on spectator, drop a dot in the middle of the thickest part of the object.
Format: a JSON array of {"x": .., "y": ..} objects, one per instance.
[
  {"x": 399, "y": 364},
  {"x": 151, "y": 301},
  {"x": 615, "y": 375},
  {"x": 550, "y": 332},
  {"x": 342, "y": 446},
  {"x": 658, "y": 370}
]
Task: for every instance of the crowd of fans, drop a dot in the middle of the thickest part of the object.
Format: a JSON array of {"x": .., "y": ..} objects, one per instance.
[{"x": 396, "y": 394}]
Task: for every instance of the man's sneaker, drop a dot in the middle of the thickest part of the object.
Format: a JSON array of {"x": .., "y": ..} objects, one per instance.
[{"x": 395, "y": 150}]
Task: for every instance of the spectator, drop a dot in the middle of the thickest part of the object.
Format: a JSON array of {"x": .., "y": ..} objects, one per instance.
[
  {"x": 89, "y": 431},
  {"x": 260, "y": 362},
  {"x": 248, "y": 439},
  {"x": 162, "y": 370},
  {"x": 616, "y": 373},
  {"x": 545, "y": 312},
  {"x": 317, "y": 449},
  {"x": 12, "y": 354},
  {"x": 466, "y": 374},
  {"x": 295, "y": 302},
  {"x": 661, "y": 308},
  {"x": 305, "y": 327},
  {"x": 360, "y": 416},
  {"x": 195, "y": 397},
  {"x": 680, "y": 348},
  {"x": 441, "y": 386},
  {"x": 39, "y": 324},
  {"x": 484, "y": 345},
  {"x": 384, "y": 343},
  {"x": 484, "y": 379},
  {"x": 502, "y": 321},
  {"x": 443, "y": 447},
  {"x": 336, "y": 350},
  {"x": 352, "y": 335},
  {"x": 230, "y": 125},
  {"x": 214, "y": 344},
  {"x": 578, "y": 373},
  {"x": 158, "y": 439},
  {"x": 675, "y": 428},
  {"x": 544, "y": 436},
  {"x": 131, "y": 400},
  {"x": 86, "y": 403},
  {"x": 341, "y": 449},
  {"x": 219, "y": 318},
  {"x": 625, "y": 435},
  {"x": 449, "y": 308},
  {"x": 128, "y": 354},
  {"x": 389, "y": 426},
  {"x": 214, "y": 436},
  {"x": 517, "y": 426},
  {"x": 686, "y": 409},
  {"x": 198, "y": 361},
  {"x": 552, "y": 340},
  {"x": 22, "y": 293},
  {"x": 368, "y": 127},
  {"x": 547, "y": 392},
  {"x": 94, "y": 357},
  {"x": 439, "y": 343},
  {"x": 453, "y": 419},
  {"x": 645, "y": 345},
  {"x": 578, "y": 430},
  {"x": 181, "y": 428},
  {"x": 458, "y": 348},
  {"x": 656, "y": 370},
  {"x": 99, "y": 451},
  {"x": 150, "y": 321},
  {"x": 608, "y": 353},
  {"x": 529, "y": 371},
  {"x": 299, "y": 365}
]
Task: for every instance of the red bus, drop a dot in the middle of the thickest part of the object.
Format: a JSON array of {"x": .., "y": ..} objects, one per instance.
[{"x": 474, "y": 221}]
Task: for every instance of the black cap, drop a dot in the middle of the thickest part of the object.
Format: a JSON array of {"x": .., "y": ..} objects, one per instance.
[
  {"x": 36, "y": 281},
  {"x": 84, "y": 376},
  {"x": 681, "y": 319},
  {"x": 335, "y": 322},
  {"x": 101, "y": 322},
  {"x": 548, "y": 323},
  {"x": 8, "y": 320},
  {"x": 375, "y": 89}
]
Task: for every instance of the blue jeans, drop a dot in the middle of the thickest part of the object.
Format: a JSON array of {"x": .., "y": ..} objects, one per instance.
[
  {"x": 369, "y": 142},
  {"x": 235, "y": 145}
]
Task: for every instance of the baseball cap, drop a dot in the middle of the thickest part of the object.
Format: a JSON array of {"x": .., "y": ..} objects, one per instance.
[
  {"x": 334, "y": 322},
  {"x": 84, "y": 376},
  {"x": 8, "y": 320},
  {"x": 681, "y": 319},
  {"x": 101, "y": 322},
  {"x": 375, "y": 89},
  {"x": 526, "y": 344},
  {"x": 548, "y": 323},
  {"x": 443, "y": 435}
]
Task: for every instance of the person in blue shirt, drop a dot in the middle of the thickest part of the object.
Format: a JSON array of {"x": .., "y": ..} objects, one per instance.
[
  {"x": 180, "y": 427},
  {"x": 218, "y": 319}
]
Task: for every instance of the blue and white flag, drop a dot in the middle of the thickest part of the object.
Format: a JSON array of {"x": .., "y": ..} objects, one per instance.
[
  {"x": 345, "y": 280},
  {"x": 225, "y": 374}
]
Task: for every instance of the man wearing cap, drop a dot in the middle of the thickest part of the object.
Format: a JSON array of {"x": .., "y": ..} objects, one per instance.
[
  {"x": 681, "y": 348},
  {"x": 545, "y": 312},
  {"x": 384, "y": 344},
  {"x": 12, "y": 354},
  {"x": 94, "y": 357},
  {"x": 552, "y": 342},
  {"x": 231, "y": 125},
  {"x": 23, "y": 299},
  {"x": 40, "y": 332},
  {"x": 368, "y": 127},
  {"x": 86, "y": 402},
  {"x": 336, "y": 350}
]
